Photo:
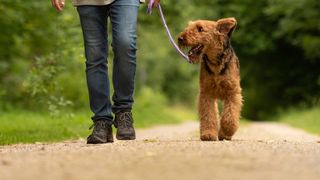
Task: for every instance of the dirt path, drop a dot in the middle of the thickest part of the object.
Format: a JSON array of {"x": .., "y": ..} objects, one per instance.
[{"x": 259, "y": 151}]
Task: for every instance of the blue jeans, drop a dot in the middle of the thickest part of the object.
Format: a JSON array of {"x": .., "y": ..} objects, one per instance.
[{"x": 123, "y": 17}]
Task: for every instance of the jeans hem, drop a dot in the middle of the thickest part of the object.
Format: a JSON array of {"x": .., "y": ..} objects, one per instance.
[{"x": 109, "y": 121}]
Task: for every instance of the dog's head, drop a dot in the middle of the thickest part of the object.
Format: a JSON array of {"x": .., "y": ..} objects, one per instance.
[{"x": 206, "y": 36}]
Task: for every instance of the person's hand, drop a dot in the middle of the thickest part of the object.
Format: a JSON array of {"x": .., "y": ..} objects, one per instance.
[
  {"x": 152, "y": 4},
  {"x": 58, "y": 4},
  {"x": 155, "y": 3}
]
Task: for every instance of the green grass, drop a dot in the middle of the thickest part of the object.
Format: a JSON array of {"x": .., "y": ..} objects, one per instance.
[
  {"x": 31, "y": 127},
  {"x": 24, "y": 126},
  {"x": 21, "y": 126},
  {"x": 307, "y": 119},
  {"x": 244, "y": 122}
]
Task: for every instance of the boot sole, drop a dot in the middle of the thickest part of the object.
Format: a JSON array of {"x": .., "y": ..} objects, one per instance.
[
  {"x": 99, "y": 141},
  {"x": 127, "y": 137}
]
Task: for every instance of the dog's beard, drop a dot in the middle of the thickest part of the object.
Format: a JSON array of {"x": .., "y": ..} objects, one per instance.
[{"x": 195, "y": 52}]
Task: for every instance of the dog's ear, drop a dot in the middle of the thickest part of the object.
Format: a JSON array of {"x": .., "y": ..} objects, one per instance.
[{"x": 226, "y": 26}]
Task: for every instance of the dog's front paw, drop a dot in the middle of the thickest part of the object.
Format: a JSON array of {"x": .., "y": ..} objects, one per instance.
[
  {"x": 227, "y": 138},
  {"x": 224, "y": 137},
  {"x": 208, "y": 137}
]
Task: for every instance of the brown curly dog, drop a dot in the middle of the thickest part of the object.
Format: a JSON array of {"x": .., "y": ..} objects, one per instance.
[{"x": 219, "y": 76}]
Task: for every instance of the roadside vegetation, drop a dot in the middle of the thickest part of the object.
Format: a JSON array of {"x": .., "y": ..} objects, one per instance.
[
  {"x": 21, "y": 126},
  {"x": 305, "y": 118}
]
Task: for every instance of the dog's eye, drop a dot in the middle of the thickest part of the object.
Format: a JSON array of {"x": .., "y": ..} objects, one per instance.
[{"x": 200, "y": 29}]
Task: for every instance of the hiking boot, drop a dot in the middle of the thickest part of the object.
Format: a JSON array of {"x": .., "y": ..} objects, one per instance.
[
  {"x": 124, "y": 124},
  {"x": 102, "y": 133}
]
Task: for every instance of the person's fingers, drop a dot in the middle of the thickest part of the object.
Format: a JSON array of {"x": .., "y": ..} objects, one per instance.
[
  {"x": 56, "y": 4},
  {"x": 156, "y": 2},
  {"x": 62, "y": 4},
  {"x": 53, "y": 2}
]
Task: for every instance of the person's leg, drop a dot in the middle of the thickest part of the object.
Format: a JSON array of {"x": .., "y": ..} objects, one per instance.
[
  {"x": 123, "y": 16},
  {"x": 94, "y": 26}
]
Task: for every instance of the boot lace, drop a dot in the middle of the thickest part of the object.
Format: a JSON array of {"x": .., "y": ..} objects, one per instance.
[
  {"x": 125, "y": 120},
  {"x": 97, "y": 125}
]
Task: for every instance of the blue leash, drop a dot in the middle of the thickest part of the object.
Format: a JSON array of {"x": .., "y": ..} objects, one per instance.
[{"x": 149, "y": 11}]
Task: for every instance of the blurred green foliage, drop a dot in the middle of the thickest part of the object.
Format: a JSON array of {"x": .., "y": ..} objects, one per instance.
[
  {"x": 307, "y": 119},
  {"x": 277, "y": 41}
]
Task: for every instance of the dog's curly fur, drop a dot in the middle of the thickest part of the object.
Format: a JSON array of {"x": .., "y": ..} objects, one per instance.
[{"x": 219, "y": 76}]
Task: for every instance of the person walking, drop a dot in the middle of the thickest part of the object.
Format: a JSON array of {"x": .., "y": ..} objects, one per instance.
[{"x": 94, "y": 15}]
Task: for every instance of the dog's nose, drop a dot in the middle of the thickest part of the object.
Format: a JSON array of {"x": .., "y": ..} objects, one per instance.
[{"x": 180, "y": 39}]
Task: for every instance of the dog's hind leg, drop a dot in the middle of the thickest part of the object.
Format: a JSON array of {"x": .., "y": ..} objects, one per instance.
[
  {"x": 208, "y": 114},
  {"x": 230, "y": 117}
]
